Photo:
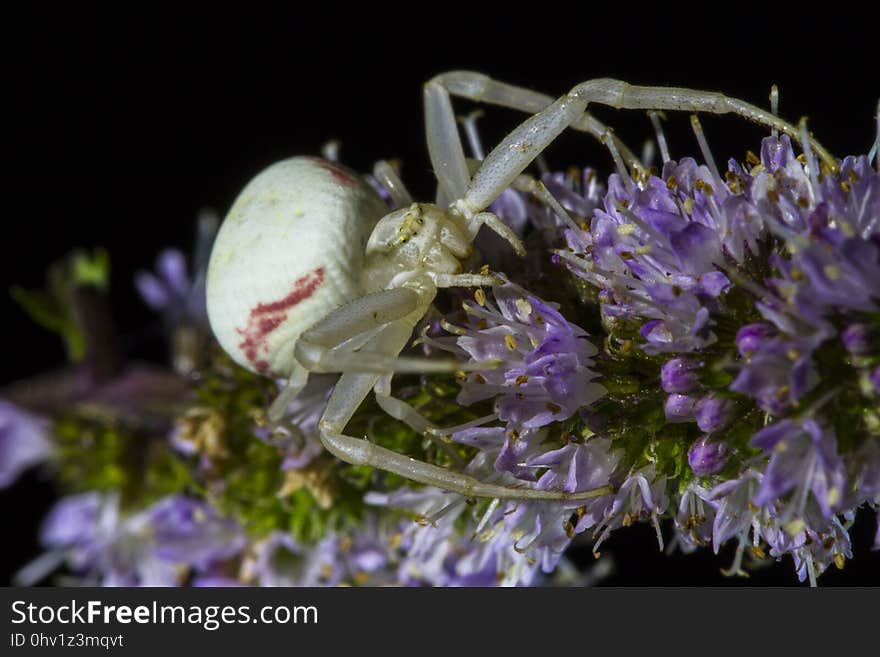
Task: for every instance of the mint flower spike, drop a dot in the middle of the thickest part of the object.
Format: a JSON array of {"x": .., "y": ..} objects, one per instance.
[
  {"x": 773, "y": 343},
  {"x": 741, "y": 341}
]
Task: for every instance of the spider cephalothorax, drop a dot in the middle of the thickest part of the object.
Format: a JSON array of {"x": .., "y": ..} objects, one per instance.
[{"x": 422, "y": 239}]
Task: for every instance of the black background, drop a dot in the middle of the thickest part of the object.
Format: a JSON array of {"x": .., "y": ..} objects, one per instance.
[{"x": 123, "y": 126}]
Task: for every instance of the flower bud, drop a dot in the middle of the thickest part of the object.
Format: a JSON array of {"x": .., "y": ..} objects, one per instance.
[
  {"x": 713, "y": 413},
  {"x": 679, "y": 375},
  {"x": 707, "y": 457},
  {"x": 679, "y": 408}
]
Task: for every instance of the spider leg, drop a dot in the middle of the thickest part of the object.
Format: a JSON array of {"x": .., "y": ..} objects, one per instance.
[
  {"x": 399, "y": 409},
  {"x": 341, "y": 342},
  {"x": 405, "y": 412},
  {"x": 409, "y": 415},
  {"x": 350, "y": 391},
  {"x": 295, "y": 383},
  {"x": 483, "y": 89},
  {"x": 444, "y": 145},
  {"x": 493, "y": 223},
  {"x": 390, "y": 338},
  {"x": 517, "y": 150},
  {"x": 318, "y": 358},
  {"x": 366, "y": 313},
  {"x": 528, "y": 185},
  {"x": 465, "y": 280},
  {"x": 332, "y": 344},
  {"x": 391, "y": 182}
]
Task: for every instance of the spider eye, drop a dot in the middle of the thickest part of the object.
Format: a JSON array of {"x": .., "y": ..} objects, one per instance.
[{"x": 386, "y": 236}]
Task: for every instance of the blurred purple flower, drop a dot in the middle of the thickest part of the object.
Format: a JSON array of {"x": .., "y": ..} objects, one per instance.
[
  {"x": 24, "y": 441},
  {"x": 713, "y": 413},
  {"x": 158, "y": 546},
  {"x": 803, "y": 458}
]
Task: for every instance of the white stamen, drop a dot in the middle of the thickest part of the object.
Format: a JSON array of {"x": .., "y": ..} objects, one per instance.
[
  {"x": 432, "y": 519},
  {"x": 637, "y": 220},
  {"x": 591, "y": 186},
  {"x": 774, "y": 107},
  {"x": 485, "y": 519},
  {"x": 656, "y": 524},
  {"x": 599, "y": 541},
  {"x": 448, "y": 431},
  {"x": 736, "y": 566},
  {"x": 811, "y": 570},
  {"x": 543, "y": 194},
  {"x": 648, "y": 152},
  {"x": 608, "y": 139},
  {"x": 812, "y": 164},
  {"x": 874, "y": 153},
  {"x": 661, "y": 138},
  {"x": 704, "y": 149},
  {"x": 524, "y": 307},
  {"x": 469, "y": 123},
  {"x": 330, "y": 150},
  {"x": 541, "y": 163},
  {"x": 532, "y": 539},
  {"x": 451, "y": 328}
]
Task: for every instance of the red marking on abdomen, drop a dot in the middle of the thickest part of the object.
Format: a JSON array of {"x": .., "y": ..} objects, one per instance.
[
  {"x": 266, "y": 317},
  {"x": 303, "y": 288},
  {"x": 340, "y": 174}
]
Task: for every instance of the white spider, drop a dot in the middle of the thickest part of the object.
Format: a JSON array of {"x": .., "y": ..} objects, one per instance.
[{"x": 309, "y": 273}]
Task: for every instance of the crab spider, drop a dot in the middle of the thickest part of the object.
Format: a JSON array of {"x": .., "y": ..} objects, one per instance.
[{"x": 310, "y": 274}]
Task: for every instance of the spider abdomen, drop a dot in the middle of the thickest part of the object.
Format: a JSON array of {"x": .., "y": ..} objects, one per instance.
[{"x": 289, "y": 251}]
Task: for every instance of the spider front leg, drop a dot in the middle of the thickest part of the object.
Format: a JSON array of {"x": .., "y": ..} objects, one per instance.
[
  {"x": 295, "y": 383},
  {"x": 409, "y": 415},
  {"x": 444, "y": 145},
  {"x": 344, "y": 341},
  {"x": 466, "y": 280},
  {"x": 483, "y": 89},
  {"x": 516, "y": 151},
  {"x": 353, "y": 387},
  {"x": 347, "y": 396},
  {"x": 334, "y": 343}
]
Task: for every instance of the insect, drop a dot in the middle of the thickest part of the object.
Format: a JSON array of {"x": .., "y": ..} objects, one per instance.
[{"x": 310, "y": 273}]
